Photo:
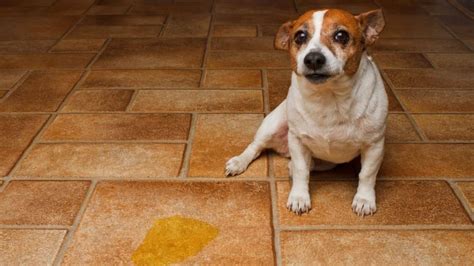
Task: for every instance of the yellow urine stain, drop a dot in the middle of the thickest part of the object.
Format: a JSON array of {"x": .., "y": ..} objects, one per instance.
[{"x": 173, "y": 239}]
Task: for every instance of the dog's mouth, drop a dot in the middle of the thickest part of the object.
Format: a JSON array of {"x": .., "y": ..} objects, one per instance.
[{"x": 317, "y": 77}]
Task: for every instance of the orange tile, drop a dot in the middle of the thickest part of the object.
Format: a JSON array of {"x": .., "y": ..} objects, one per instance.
[
  {"x": 198, "y": 101},
  {"x": 439, "y": 101},
  {"x": 413, "y": 26},
  {"x": 419, "y": 45},
  {"x": 17, "y": 133},
  {"x": 88, "y": 45},
  {"x": 218, "y": 138},
  {"x": 399, "y": 129},
  {"x": 401, "y": 60},
  {"x": 97, "y": 127},
  {"x": 32, "y": 247},
  {"x": 417, "y": 160},
  {"x": 386, "y": 247},
  {"x": 233, "y": 79},
  {"x": 25, "y": 46},
  {"x": 248, "y": 59},
  {"x": 182, "y": 7},
  {"x": 278, "y": 83},
  {"x": 234, "y": 31},
  {"x": 451, "y": 60},
  {"x": 393, "y": 104},
  {"x": 467, "y": 189},
  {"x": 254, "y": 7},
  {"x": 128, "y": 20},
  {"x": 8, "y": 78},
  {"x": 35, "y": 27},
  {"x": 242, "y": 43},
  {"x": 430, "y": 78},
  {"x": 98, "y": 100},
  {"x": 142, "y": 79},
  {"x": 245, "y": 234},
  {"x": 331, "y": 204},
  {"x": 102, "y": 160},
  {"x": 446, "y": 127},
  {"x": 45, "y": 61},
  {"x": 252, "y": 19},
  {"x": 41, "y": 92},
  {"x": 188, "y": 25}
]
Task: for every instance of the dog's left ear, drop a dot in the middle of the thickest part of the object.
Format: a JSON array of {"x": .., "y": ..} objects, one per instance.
[
  {"x": 282, "y": 38},
  {"x": 372, "y": 24}
]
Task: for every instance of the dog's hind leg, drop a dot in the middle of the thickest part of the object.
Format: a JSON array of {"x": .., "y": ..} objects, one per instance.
[{"x": 272, "y": 134}]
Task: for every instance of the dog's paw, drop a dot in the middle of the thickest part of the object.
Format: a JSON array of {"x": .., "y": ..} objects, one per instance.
[
  {"x": 364, "y": 204},
  {"x": 299, "y": 201},
  {"x": 235, "y": 166}
]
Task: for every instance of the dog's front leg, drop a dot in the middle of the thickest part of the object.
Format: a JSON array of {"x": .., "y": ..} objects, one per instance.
[
  {"x": 299, "y": 200},
  {"x": 371, "y": 159}
]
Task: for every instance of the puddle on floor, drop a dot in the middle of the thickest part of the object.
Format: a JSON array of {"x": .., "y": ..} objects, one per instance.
[{"x": 172, "y": 240}]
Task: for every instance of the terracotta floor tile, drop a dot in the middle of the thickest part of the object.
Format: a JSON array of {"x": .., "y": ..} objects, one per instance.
[
  {"x": 112, "y": 31},
  {"x": 254, "y": 7},
  {"x": 42, "y": 202},
  {"x": 153, "y": 53},
  {"x": 331, "y": 204},
  {"x": 17, "y": 133},
  {"x": 102, "y": 160},
  {"x": 451, "y": 60},
  {"x": 212, "y": 148},
  {"x": 446, "y": 127},
  {"x": 8, "y": 78},
  {"x": 467, "y": 189},
  {"x": 408, "y": 160},
  {"x": 419, "y": 45},
  {"x": 460, "y": 25},
  {"x": 278, "y": 84},
  {"x": 386, "y": 247},
  {"x": 108, "y": 10},
  {"x": 431, "y": 78},
  {"x": 399, "y": 129},
  {"x": 98, "y": 100},
  {"x": 142, "y": 79},
  {"x": 186, "y": 7},
  {"x": 242, "y": 43},
  {"x": 399, "y": 60},
  {"x": 437, "y": 100},
  {"x": 393, "y": 104},
  {"x": 45, "y": 61},
  {"x": 233, "y": 79},
  {"x": 269, "y": 30},
  {"x": 130, "y": 209},
  {"x": 252, "y": 19},
  {"x": 41, "y": 92},
  {"x": 96, "y": 127},
  {"x": 30, "y": 247},
  {"x": 188, "y": 26},
  {"x": 198, "y": 101},
  {"x": 248, "y": 59},
  {"x": 413, "y": 26},
  {"x": 127, "y": 20},
  {"x": 35, "y": 28},
  {"x": 92, "y": 45},
  {"x": 234, "y": 31},
  {"x": 20, "y": 47}
]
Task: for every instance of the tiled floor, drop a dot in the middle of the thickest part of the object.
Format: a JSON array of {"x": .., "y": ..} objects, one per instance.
[{"x": 116, "y": 113}]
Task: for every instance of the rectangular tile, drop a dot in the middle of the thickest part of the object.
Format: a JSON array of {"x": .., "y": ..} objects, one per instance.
[
  {"x": 45, "y": 61},
  {"x": 17, "y": 133},
  {"x": 413, "y": 26},
  {"x": 431, "y": 78},
  {"x": 198, "y": 101},
  {"x": 451, "y": 60},
  {"x": 42, "y": 202},
  {"x": 126, "y": 20},
  {"x": 251, "y": 19},
  {"x": 35, "y": 27},
  {"x": 87, "y": 45},
  {"x": 119, "y": 9},
  {"x": 386, "y": 247},
  {"x": 254, "y": 7},
  {"x": 183, "y": 7},
  {"x": 467, "y": 189},
  {"x": 399, "y": 129},
  {"x": 439, "y": 101},
  {"x": 212, "y": 148},
  {"x": 401, "y": 60},
  {"x": 113, "y": 31},
  {"x": 25, "y": 46},
  {"x": 102, "y": 160},
  {"x": 41, "y": 92},
  {"x": 460, "y": 25},
  {"x": 142, "y": 79},
  {"x": 188, "y": 25},
  {"x": 233, "y": 79},
  {"x": 234, "y": 31},
  {"x": 419, "y": 45},
  {"x": 331, "y": 204},
  {"x": 243, "y": 224},
  {"x": 98, "y": 127},
  {"x": 247, "y": 59},
  {"x": 446, "y": 127},
  {"x": 30, "y": 247},
  {"x": 242, "y": 43},
  {"x": 98, "y": 101},
  {"x": 416, "y": 160},
  {"x": 8, "y": 78}
]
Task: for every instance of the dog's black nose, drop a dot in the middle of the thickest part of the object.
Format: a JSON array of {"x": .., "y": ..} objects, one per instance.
[{"x": 314, "y": 60}]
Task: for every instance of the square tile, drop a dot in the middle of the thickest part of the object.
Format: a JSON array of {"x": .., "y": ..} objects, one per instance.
[
  {"x": 188, "y": 25},
  {"x": 242, "y": 43},
  {"x": 446, "y": 127},
  {"x": 387, "y": 247},
  {"x": 25, "y": 46},
  {"x": 130, "y": 209},
  {"x": 399, "y": 129},
  {"x": 30, "y": 247},
  {"x": 234, "y": 31},
  {"x": 431, "y": 78},
  {"x": 114, "y": 160},
  {"x": 87, "y": 45},
  {"x": 104, "y": 127},
  {"x": 35, "y": 27},
  {"x": 401, "y": 60},
  {"x": 41, "y": 92},
  {"x": 42, "y": 202},
  {"x": 467, "y": 189},
  {"x": 198, "y": 101},
  {"x": 211, "y": 146},
  {"x": 98, "y": 101},
  {"x": 419, "y": 45},
  {"x": 416, "y": 160},
  {"x": 17, "y": 133},
  {"x": 331, "y": 204},
  {"x": 45, "y": 61},
  {"x": 233, "y": 79},
  {"x": 247, "y": 59},
  {"x": 438, "y": 101},
  {"x": 451, "y": 60}
]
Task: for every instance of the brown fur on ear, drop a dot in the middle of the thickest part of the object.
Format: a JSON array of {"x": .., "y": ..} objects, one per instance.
[
  {"x": 282, "y": 38},
  {"x": 372, "y": 24}
]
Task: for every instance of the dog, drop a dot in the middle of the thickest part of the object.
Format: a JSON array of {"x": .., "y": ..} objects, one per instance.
[{"x": 336, "y": 108}]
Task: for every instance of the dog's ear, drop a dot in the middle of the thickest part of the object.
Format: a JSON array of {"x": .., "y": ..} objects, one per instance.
[
  {"x": 372, "y": 24},
  {"x": 282, "y": 38}
]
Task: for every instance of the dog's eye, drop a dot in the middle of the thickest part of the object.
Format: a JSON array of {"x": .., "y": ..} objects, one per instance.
[
  {"x": 300, "y": 37},
  {"x": 341, "y": 37}
]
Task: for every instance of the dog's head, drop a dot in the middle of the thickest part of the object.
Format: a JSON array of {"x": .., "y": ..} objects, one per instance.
[{"x": 326, "y": 44}]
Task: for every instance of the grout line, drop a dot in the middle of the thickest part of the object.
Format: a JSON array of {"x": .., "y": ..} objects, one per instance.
[
  {"x": 407, "y": 227},
  {"x": 67, "y": 240},
  {"x": 131, "y": 103},
  {"x": 433, "y": 65},
  {"x": 15, "y": 86},
  {"x": 99, "y": 53},
  {"x": 202, "y": 81},
  {"x": 165, "y": 25},
  {"x": 462, "y": 199},
  {"x": 153, "y": 141},
  {"x": 35, "y": 227},
  {"x": 187, "y": 153}
]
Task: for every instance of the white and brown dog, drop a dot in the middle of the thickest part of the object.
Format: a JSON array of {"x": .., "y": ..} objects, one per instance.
[{"x": 336, "y": 108}]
